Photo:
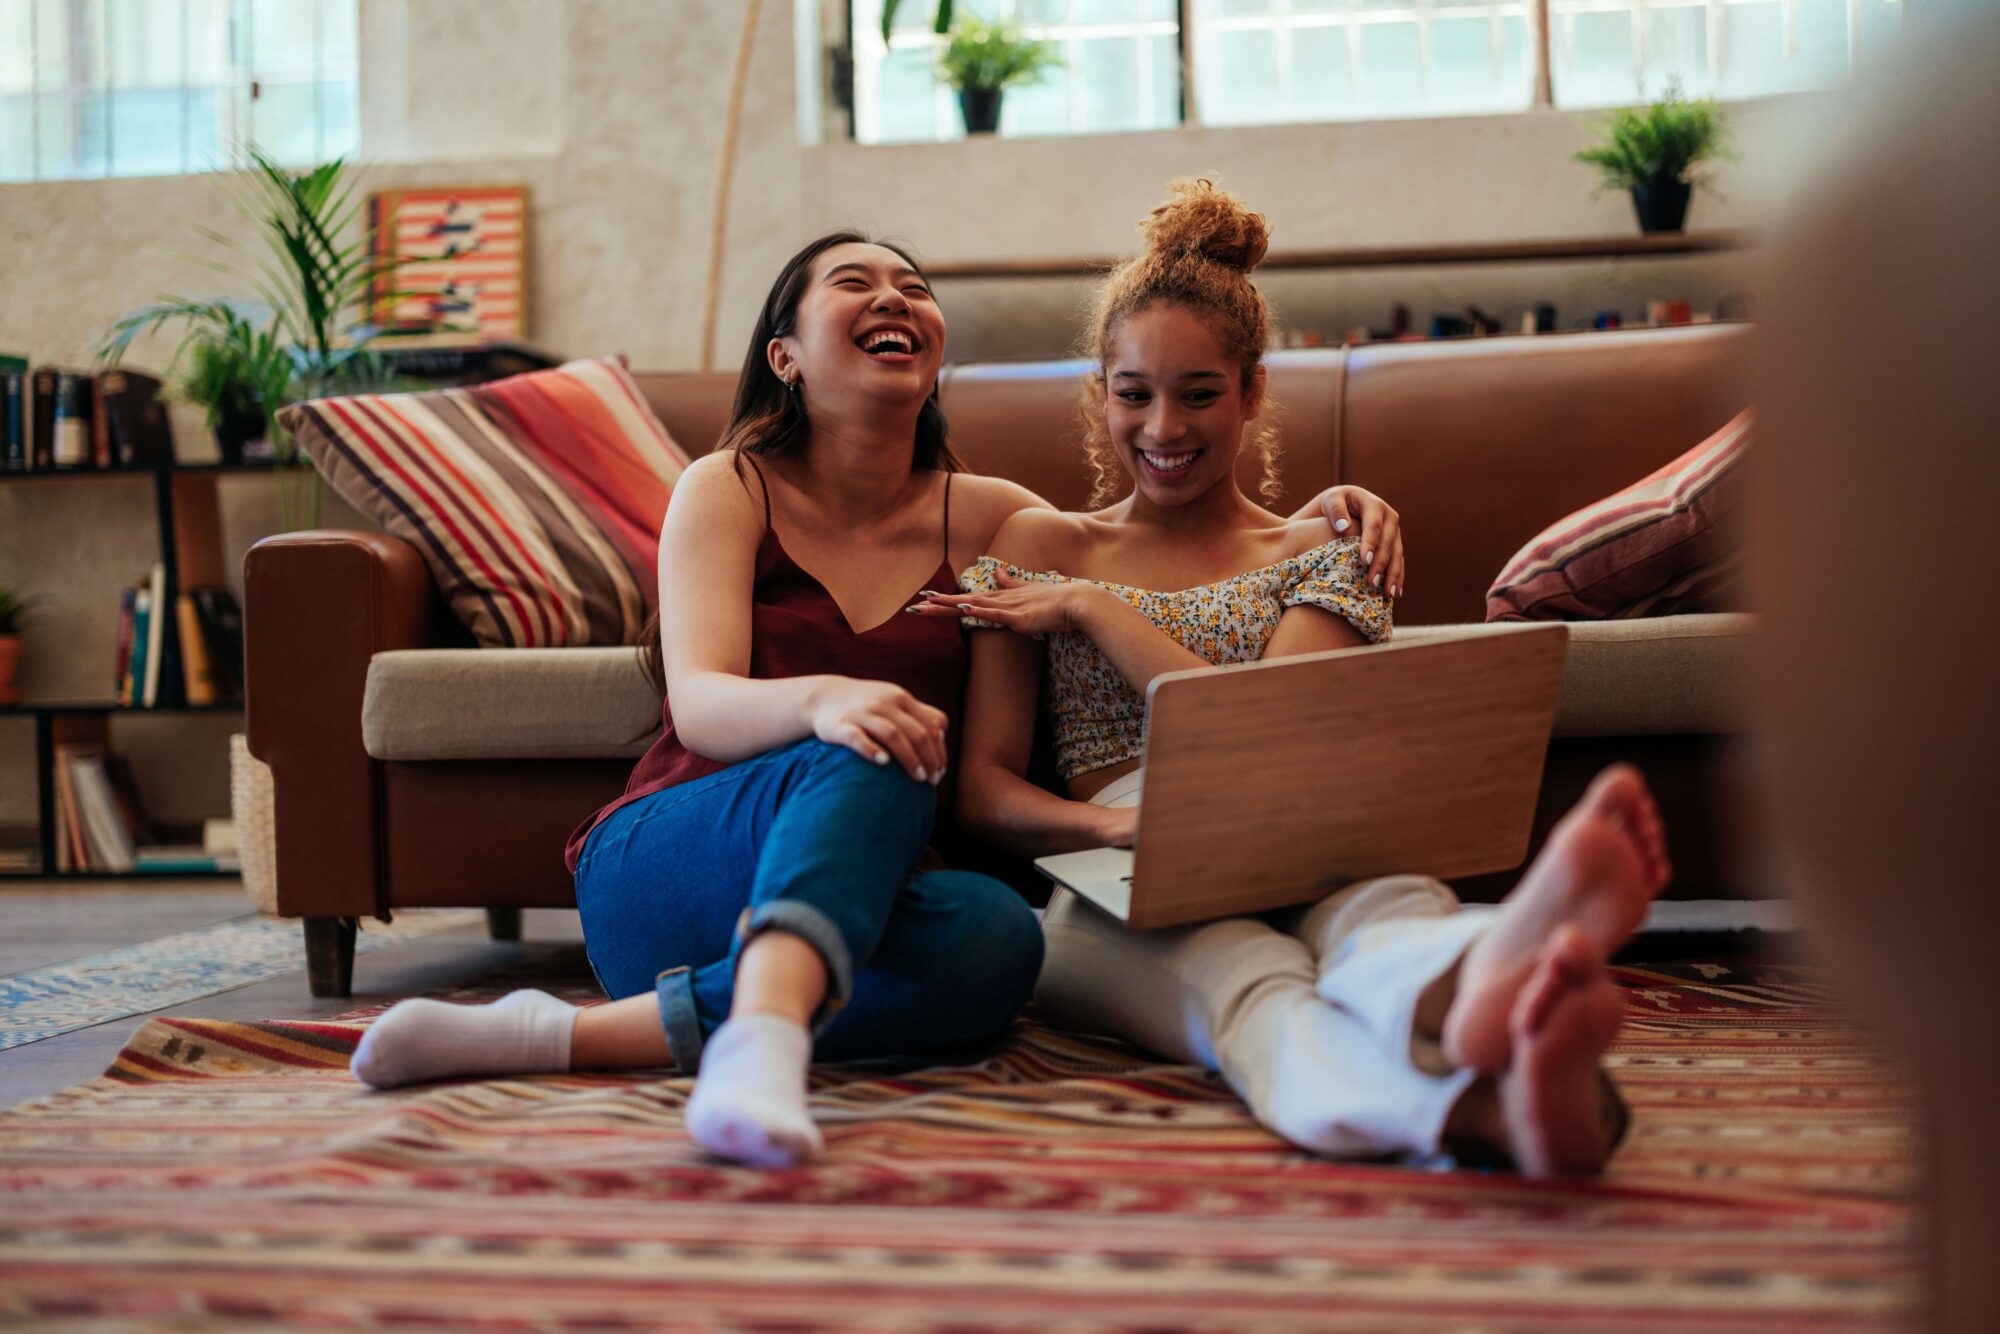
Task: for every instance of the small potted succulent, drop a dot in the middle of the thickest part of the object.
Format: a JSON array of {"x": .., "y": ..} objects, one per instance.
[
  {"x": 13, "y": 611},
  {"x": 1653, "y": 152},
  {"x": 982, "y": 60}
]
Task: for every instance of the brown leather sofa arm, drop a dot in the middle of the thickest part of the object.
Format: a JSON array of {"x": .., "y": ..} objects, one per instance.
[{"x": 319, "y": 605}]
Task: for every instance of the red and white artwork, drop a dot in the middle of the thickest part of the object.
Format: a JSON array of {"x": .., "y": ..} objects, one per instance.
[{"x": 460, "y": 272}]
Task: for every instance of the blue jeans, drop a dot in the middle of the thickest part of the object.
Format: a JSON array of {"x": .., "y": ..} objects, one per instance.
[{"x": 813, "y": 840}]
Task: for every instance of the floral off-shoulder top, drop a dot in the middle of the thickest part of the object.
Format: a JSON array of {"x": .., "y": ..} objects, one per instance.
[{"x": 1099, "y": 719}]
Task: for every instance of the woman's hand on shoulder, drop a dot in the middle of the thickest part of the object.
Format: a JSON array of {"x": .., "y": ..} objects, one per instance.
[
  {"x": 881, "y": 722},
  {"x": 1351, "y": 509}
]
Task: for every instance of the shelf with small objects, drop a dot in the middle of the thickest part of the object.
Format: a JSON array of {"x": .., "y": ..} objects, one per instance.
[{"x": 179, "y": 626}]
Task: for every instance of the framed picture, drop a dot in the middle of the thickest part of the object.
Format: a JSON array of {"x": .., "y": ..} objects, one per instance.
[{"x": 461, "y": 274}]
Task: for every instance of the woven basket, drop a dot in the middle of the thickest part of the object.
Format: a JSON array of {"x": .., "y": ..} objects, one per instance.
[{"x": 253, "y": 802}]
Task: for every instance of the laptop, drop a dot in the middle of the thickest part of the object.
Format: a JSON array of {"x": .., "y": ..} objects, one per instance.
[{"x": 1274, "y": 783}]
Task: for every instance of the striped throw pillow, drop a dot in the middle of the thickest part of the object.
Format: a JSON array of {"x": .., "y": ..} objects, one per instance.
[
  {"x": 1657, "y": 548},
  {"x": 536, "y": 500}
]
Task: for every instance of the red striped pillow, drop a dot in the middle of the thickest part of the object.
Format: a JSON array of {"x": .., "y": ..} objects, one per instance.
[
  {"x": 536, "y": 500},
  {"x": 1656, "y": 548}
]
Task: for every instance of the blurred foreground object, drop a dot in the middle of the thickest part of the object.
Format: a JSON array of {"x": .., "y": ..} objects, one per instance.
[{"x": 1876, "y": 564}]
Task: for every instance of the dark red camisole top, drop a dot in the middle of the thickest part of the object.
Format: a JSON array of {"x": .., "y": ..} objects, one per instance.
[{"x": 797, "y": 629}]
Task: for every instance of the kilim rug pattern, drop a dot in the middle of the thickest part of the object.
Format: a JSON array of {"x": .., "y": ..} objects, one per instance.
[
  {"x": 137, "y": 979},
  {"x": 233, "y": 1174}
]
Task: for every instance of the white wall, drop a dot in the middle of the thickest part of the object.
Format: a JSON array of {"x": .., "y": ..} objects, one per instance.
[{"x": 610, "y": 111}]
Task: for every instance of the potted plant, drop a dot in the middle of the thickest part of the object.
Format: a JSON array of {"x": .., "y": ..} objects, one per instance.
[
  {"x": 982, "y": 60},
  {"x": 13, "y": 612},
  {"x": 1653, "y": 152},
  {"x": 301, "y": 338}
]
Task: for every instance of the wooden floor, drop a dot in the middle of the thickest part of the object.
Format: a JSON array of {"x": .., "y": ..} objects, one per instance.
[{"x": 43, "y": 924}]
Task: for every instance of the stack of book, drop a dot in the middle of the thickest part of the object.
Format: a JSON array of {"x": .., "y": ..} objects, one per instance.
[
  {"x": 53, "y": 420},
  {"x": 188, "y": 652},
  {"x": 102, "y": 826}
]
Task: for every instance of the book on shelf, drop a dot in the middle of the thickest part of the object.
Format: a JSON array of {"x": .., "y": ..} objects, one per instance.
[
  {"x": 108, "y": 842},
  {"x": 42, "y": 384},
  {"x": 136, "y": 421},
  {"x": 195, "y": 669},
  {"x": 69, "y": 440},
  {"x": 183, "y": 859},
  {"x": 221, "y": 621},
  {"x": 131, "y": 688},
  {"x": 121, "y": 675},
  {"x": 100, "y": 426},
  {"x": 14, "y": 413},
  {"x": 146, "y": 687}
]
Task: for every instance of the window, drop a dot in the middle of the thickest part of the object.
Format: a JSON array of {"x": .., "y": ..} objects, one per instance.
[
  {"x": 1259, "y": 61},
  {"x": 159, "y": 87},
  {"x": 1615, "y": 52},
  {"x": 1121, "y": 69}
]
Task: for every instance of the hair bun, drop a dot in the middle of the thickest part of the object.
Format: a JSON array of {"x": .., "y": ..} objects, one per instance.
[{"x": 1206, "y": 220}]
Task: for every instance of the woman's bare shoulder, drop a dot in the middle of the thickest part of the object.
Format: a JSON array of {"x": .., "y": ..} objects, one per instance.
[
  {"x": 1303, "y": 535},
  {"x": 1041, "y": 538}
]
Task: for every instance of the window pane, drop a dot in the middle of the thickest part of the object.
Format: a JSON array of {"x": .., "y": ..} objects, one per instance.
[
  {"x": 142, "y": 87},
  {"x": 284, "y": 121},
  {"x": 1618, "y": 52},
  {"x": 1298, "y": 60},
  {"x": 17, "y": 50}
]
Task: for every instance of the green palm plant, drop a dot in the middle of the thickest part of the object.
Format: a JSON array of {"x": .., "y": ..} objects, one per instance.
[
  {"x": 1654, "y": 151},
  {"x": 312, "y": 271},
  {"x": 993, "y": 56}
]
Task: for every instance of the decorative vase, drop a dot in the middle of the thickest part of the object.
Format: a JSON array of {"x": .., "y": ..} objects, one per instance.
[
  {"x": 253, "y": 804},
  {"x": 10, "y": 666},
  {"x": 1662, "y": 205},
  {"x": 982, "y": 109}
]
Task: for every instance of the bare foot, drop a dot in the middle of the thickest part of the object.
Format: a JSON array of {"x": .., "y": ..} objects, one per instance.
[
  {"x": 1604, "y": 862},
  {"x": 1552, "y": 1097}
]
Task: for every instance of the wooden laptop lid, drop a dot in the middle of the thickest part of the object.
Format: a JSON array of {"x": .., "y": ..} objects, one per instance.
[{"x": 1272, "y": 783}]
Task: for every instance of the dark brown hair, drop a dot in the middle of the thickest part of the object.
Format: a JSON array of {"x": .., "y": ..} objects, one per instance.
[
  {"x": 767, "y": 418},
  {"x": 1200, "y": 248}
]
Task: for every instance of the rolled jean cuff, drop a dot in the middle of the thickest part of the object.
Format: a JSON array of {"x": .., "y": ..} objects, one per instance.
[
  {"x": 799, "y": 918},
  {"x": 675, "y": 989}
]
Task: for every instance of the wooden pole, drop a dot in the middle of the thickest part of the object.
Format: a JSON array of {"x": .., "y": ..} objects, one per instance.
[{"x": 725, "y": 174}]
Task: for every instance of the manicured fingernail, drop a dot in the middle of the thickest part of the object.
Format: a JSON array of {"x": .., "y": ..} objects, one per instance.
[
  {"x": 1341, "y": 525},
  {"x": 922, "y": 777},
  {"x": 913, "y": 608},
  {"x": 1377, "y": 581},
  {"x": 881, "y": 757},
  {"x": 1367, "y": 556},
  {"x": 928, "y": 593}
]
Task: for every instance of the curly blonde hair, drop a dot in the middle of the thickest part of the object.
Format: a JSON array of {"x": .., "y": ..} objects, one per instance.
[{"x": 1200, "y": 248}]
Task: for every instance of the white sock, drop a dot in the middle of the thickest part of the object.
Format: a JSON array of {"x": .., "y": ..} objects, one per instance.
[
  {"x": 522, "y": 1033},
  {"x": 749, "y": 1101}
]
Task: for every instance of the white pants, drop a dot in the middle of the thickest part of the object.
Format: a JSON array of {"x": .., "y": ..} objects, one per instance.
[{"x": 1311, "y": 1024}]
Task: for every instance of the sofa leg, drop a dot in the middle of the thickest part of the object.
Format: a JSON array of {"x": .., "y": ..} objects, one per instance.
[
  {"x": 330, "y": 955},
  {"x": 504, "y": 923}
]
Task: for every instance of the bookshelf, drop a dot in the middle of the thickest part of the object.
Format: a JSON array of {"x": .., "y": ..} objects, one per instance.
[
  {"x": 185, "y": 507},
  {"x": 1639, "y": 246}
]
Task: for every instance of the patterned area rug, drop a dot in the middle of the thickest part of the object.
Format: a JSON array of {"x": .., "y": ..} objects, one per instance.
[
  {"x": 138, "y": 979},
  {"x": 233, "y": 1174}
]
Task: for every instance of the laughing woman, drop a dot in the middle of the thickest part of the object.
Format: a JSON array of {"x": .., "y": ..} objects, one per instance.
[
  {"x": 761, "y": 894},
  {"x": 1382, "y": 1020}
]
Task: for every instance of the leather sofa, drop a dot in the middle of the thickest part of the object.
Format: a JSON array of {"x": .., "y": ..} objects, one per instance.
[{"x": 414, "y": 771}]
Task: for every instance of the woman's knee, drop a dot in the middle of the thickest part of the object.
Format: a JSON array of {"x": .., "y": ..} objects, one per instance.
[{"x": 888, "y": 787}]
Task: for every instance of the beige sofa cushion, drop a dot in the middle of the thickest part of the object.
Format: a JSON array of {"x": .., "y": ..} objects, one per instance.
[
  {"x": 1656, "y": 675},
  {"x": 508, "y": 704},
  {"x": 1621, "y": 678}
]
